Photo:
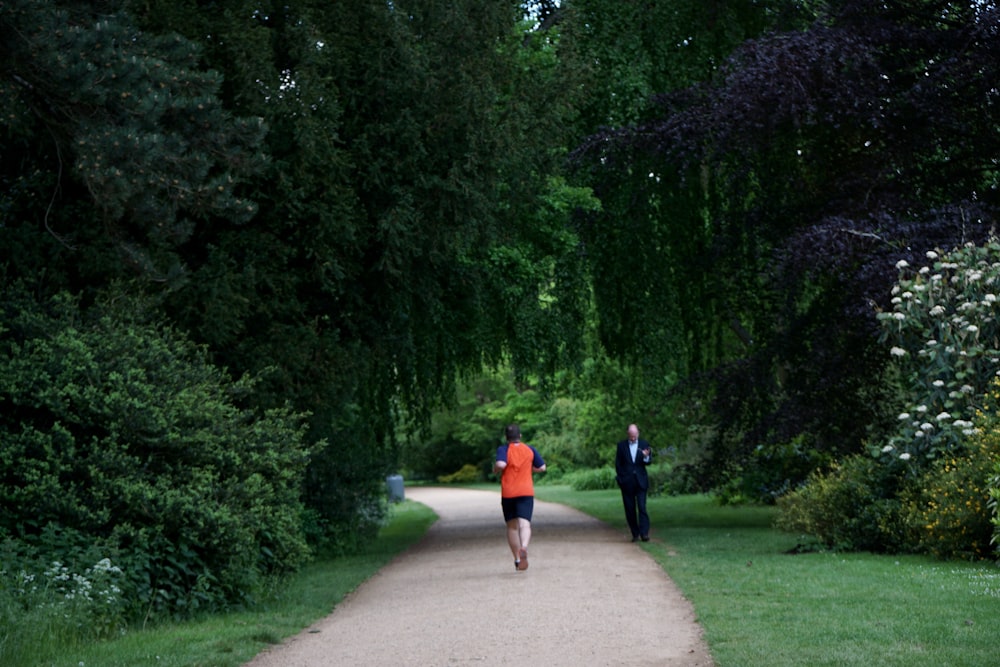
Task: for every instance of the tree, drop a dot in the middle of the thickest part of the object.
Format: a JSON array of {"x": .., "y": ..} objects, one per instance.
[
  {"x": 813, "y": 158},
  {"x": 408, "y": 229},
  {"x": 115, "y": 145}
]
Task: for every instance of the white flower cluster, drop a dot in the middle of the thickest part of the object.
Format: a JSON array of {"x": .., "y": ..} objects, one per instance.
[
  {"x": 943, "y": 332},
  {"x": 73, "y": 586}
]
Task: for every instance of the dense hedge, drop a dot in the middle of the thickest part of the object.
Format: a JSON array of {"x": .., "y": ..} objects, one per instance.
[{"x": 117, "y": 432}]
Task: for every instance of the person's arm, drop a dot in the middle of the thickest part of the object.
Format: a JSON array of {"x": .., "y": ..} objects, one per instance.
[
  {"x": 501, "y": 462},
  {"x": 646, "y": 451},
  {"x": 537, "y": 463}
]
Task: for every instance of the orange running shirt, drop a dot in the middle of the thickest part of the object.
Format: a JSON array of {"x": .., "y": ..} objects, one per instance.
[{"x": 516, "y": 479}]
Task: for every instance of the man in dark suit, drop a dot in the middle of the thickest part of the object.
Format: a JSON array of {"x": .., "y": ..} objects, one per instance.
[{"x": 631, "y": 459}]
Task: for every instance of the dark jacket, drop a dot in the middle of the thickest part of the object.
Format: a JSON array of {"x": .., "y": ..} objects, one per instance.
[{"x": 630, "y": 475}]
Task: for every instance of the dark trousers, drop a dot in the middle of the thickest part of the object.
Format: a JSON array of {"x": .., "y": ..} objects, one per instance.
[{"x": 634, "y": 500}]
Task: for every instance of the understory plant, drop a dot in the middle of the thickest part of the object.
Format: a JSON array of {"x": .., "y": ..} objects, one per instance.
[
  {"x": 117, "y": 431},
  {"x": 943, "y": 331},
  {"x": 928, "y": 487}
]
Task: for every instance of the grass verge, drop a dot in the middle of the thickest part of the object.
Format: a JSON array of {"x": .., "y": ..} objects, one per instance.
[
  {"x": 762, "y": 606},
  {"x": 229, "y": 640}
]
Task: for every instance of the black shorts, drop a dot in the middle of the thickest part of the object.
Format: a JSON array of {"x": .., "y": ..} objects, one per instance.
[{"x": 520, "y": 507}]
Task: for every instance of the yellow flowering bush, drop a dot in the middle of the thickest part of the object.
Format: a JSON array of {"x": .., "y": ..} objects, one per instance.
[{"x": 949, "y": 510}]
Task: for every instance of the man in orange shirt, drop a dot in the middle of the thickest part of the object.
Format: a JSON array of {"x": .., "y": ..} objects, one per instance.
[{"x": 516, "y": 462}]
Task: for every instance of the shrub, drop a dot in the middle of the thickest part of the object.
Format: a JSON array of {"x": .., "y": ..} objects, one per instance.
[
  {"x": 464, "y": 475},
  {"x": 594, "y": 479},
  {"x": 944, "y": 331},
  {"x": 773, "y": 470},
  {"x": 123, "y": 430},
  {"x": 994, "y": 505},
  {"x": 659, "y": 478},
  {"x": 948, "y": 511},
  {"x": 57, "y": 590},
  {"x": 855, "y": 505}
]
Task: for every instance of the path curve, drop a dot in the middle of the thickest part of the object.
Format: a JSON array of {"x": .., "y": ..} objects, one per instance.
[{"x": 589, "y": 597}]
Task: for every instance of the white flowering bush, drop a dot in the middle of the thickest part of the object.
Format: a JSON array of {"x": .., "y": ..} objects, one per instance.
[
  {"x": 943, "y": 330},
  {"x": 57, "y": 604}
]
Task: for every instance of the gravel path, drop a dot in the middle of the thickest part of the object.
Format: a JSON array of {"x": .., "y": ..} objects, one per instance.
[{"x": 589, "y": 597}]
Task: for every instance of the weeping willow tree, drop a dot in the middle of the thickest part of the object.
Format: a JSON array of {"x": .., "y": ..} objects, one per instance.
[{"x": 777, "y": 195}]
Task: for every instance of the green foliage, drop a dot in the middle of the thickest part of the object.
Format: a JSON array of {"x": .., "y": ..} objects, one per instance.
[
  {"x": 949, "y": 511},
  {"x": 853, "y": 506},
  {"x": 591, "y": 479},
  {"x": 932, "y": 491},
  {"x": 223, "y": 640},
  {"x": 411, "y": 227},
  {"x": 772, "y": 471},
  {"x": 122, "y": 131},
  {"x": 944, "y": 332},
  {"x": 994, "y": 505},
  {"x": 469, "y": 431},
  {"x": 464, "y": 475},
  {"x": 45, "y": 601},
  {"x": 119, "y": 428}
]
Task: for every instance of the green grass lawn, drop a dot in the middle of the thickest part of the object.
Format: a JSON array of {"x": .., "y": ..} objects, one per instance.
[
  {"x": 759, "y": 606},
  {"x": 762, "y": 606}
]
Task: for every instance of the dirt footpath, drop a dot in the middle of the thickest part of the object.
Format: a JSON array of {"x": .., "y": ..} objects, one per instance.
[{"x": 589, "y": 597}]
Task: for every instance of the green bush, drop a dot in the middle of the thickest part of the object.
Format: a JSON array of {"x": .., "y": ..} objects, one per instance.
[
  {"x": 994, "y": 505},
  {"x": 593, "y": 479},
  {"x": 464, "y": 475},
  {"x": 123, "y": 430},
  {"x": 853, "y": 506},
  {"x": 943, "y": 329},
  {"x": 57, "y": 589},
  {"x": 949, "y": 511}
]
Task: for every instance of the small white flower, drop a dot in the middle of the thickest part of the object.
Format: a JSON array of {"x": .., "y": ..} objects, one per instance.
[
  {"x": 896, "y": 300},
  {"x": 897, "y": 352},
  {"x": 899, "y": 316},
  {"x": 918, "y": 434},
  {"x": 905, "y": 456},
  {"x": 968, "y": 389},
  {"x": 904, "y": 416},
  {"x": 937, "y": 310},
  {"x": 927, "y": 426},
  {"x": 924, "y": 271},
  {"x": 990, "y": 298},
  {"x": 972, "y": 328},
  {"x": 887, "y": 449},
  {"x": 942, "y": 416},
  {"x": 902, "y": 264},
  {"x": 932, "y": 255},
  {"x": 938, "y": 383},
  {"x": 921, "y": 409},
  {"x": 907, "y": 294}
]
